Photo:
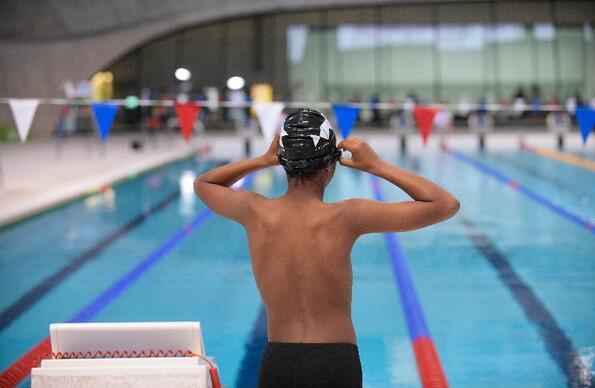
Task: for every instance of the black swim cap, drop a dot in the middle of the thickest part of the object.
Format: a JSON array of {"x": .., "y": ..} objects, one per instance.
[{"x": 307, "y": 143}]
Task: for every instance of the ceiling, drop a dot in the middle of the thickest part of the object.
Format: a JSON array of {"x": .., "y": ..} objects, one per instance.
[{"x": 47, "y": 20}]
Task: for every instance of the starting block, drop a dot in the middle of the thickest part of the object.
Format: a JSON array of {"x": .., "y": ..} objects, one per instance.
[{"x": 139, "y": 354}]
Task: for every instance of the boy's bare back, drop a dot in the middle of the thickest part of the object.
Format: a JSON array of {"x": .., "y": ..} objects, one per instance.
[
  {"x": 300, "y": 245},
  {"x": 301, "y": 260}
]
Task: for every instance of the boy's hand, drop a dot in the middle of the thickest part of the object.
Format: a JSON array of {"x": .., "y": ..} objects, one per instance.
[
  {"x": 271, "y": 155},
  {"x": 363, "y": 156}
]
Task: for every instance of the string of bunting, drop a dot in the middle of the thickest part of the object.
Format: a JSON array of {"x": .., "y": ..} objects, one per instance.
[{"x": 269, "y": 114}]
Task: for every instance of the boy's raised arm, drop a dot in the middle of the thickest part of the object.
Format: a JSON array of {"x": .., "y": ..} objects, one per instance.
[
  {"x": 431, "y": 203},
  {"x": 213, "y": 187}
]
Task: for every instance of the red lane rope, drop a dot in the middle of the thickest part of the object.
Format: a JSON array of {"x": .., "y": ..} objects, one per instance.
[
  {"x": 430, "y": 370},
  {"x": 21, "y": 368}
]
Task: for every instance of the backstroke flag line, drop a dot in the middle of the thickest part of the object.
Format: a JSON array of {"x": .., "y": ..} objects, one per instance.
[
  {"x": 424, "y": 118},
  {"x": 187, "y": 115},
  {"x": 104, "y": 115},
  {"x": 23, "y": 111},
  {"x": 346, "y": 116},
  {"x": 585, "y": 118},
  {"x": 269, "y": 117}
]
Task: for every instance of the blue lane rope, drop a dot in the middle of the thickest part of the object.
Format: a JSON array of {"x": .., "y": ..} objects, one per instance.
[
  {"x": 416, "y": 322},
  {"x": 427, "y": 359},
  {"x": 128, "y": 279},
  {"x": 487, "y": 170}
]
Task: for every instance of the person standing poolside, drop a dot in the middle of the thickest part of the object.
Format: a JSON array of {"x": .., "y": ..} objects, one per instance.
[{"x": 301, "y": 246}]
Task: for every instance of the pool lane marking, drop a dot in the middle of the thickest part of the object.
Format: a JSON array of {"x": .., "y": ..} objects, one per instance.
[
  {"x": 250, "y": 365},
  {"x": 535, "y": 173},
  {"x": 515, "y": 185},
  {"x": 46, "y": 285},
  {"x": 428, "y": 362},
  {"x": 558, "y": 344},
  {"x": 21, "y": 368},
  {"x": 107, "y": 296},
  {"x": 560, "y": 156}
]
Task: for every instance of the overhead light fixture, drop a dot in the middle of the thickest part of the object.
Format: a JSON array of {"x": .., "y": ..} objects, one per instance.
[
  {"x": 183, "y": 74},
  {"x": 236, "y": 83}
]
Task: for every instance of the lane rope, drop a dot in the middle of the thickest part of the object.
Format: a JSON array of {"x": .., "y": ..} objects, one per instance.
[
  {"x": 426, "y": 356},
  {"x": 41, "y": 289},
  {"x": 557, "y": 343},
  {"x": 21, "y": 368},
  {"x": 536, "y": 173},
  {"x": 517, "y": 186}
]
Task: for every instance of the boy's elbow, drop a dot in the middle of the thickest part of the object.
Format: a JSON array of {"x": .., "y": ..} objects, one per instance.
[
  {"x": 452, "y": 206},
  {"x": 198, "y": 185}
]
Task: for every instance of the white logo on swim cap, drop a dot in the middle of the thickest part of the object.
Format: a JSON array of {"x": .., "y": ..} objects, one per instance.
[
  {"x": 316, "y": 139},
  {"x": 283, "y": 133},
  {"x": 325, "y": 129}
]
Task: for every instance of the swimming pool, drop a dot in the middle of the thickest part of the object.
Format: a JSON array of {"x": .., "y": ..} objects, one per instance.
[{"x": 506, "y": 285}]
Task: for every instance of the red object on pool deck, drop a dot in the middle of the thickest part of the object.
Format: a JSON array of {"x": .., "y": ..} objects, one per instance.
[
  {"x": 428, "y": 363},
  {"x": 21, "y": 368}
]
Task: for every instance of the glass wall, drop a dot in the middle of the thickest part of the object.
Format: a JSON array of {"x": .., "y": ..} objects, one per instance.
[
  {"x": 445, "y": 62},
  {"x": 432, "y": 52}
]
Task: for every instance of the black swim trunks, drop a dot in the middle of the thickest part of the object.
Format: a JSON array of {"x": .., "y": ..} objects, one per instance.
[{"x": 298, "y": 365}]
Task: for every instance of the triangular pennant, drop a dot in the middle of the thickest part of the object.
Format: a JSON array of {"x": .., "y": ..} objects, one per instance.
[
  {"x": 269, "y": 116},
  {"x": 585, "y": 118},
  {"x": 346, "y": 116},
  {"x": 23, "y": 111},
  {"x": 104, "y": 114},
  {"x": 424, "y": 118},
  {"x": 187, "y": 113}
]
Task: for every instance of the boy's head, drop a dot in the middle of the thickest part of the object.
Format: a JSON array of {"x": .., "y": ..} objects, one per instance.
[{"x": 308, "y": 145}]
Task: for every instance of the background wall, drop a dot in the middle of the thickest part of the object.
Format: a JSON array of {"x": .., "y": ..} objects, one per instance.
[{"x": 143, "y": 43}]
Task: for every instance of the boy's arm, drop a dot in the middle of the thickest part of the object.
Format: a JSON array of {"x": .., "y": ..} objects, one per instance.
[
  {"x": 431, "y": 203},
  {"x": 213, "y": 187}
]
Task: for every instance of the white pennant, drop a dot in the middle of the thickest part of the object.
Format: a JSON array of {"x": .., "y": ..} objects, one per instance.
[
  {"x": 269, "y": 116},
  {"x": 23, "y": 111}
]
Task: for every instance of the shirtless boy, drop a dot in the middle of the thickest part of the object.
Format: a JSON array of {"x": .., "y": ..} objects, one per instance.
[{"x": 301, "y": 246}]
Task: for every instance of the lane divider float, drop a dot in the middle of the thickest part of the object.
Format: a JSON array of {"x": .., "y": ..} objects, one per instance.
[
  {"x": 21, "y": 368},
  {"x": 517, "y": 186},
  {"x": 426, "y": 356}
]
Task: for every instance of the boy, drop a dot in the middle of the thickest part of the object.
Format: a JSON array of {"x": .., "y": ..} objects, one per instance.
[{"x": 300, "y": 245}]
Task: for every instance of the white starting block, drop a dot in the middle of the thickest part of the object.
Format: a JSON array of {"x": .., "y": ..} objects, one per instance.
[{"x": 144, "y": 354}]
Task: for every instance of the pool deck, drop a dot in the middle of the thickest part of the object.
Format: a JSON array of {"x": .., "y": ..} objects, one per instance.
[{"x": 43, "y": 173}]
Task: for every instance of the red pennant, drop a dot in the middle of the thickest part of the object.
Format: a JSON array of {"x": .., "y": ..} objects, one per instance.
[
  {"x": 187, "y": 114},
  {"x": 424, "y": 117}
]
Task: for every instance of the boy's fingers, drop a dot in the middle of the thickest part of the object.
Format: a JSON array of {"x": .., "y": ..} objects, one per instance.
[
  {"x": 346, "y": 162},
  {"x": 345, "y": 145}
]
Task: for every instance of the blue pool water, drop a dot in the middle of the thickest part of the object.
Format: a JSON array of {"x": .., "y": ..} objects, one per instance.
[{"x": 506, "y": 285}]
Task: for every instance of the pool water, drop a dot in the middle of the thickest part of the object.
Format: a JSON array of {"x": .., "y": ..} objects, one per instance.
[{"x": 506, "y": 285}]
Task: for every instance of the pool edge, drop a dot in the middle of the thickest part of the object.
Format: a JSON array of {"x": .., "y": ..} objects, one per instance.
[{"x": 65, "y": 200}]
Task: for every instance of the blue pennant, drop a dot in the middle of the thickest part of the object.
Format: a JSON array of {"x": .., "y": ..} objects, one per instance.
[
  {"x": 585, "y": 117},
  {"x": 105, "y": 115},
  {"x": 346, "y": 116}
]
